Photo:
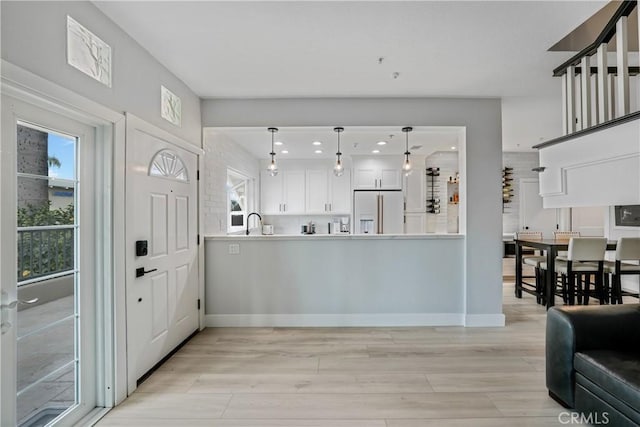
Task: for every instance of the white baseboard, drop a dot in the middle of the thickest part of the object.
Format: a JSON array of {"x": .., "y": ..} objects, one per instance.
[
  {"x": 484, "y": 320},
  {"x": 334, "y": 320}
]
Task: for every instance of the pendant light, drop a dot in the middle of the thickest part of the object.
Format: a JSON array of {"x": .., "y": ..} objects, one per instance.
[
  {"x": 406, "y": 167},
  {"x": 272, "y": 168},
  {"x": 338, "y": 168}
]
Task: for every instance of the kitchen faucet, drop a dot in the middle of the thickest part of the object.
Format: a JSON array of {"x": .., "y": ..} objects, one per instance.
[{"x": 249, "y": 216}]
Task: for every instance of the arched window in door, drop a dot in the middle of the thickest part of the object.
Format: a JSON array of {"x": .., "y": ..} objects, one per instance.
[{"x": 168, "y": 164}]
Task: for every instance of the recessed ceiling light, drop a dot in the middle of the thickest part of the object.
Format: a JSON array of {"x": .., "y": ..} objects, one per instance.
[
  {"x": 317, "y": 143},
  {"x": 278, "y": 143},
  {"x": 453, "y": 148},
  {"x": 285, "y": 151},
  {"x": 318, "y": 151},
  {"x": 375, "y": 151},
  {"x": 382, "y": 143}
]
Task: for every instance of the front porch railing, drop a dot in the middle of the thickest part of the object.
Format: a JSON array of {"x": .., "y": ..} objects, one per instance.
[{"x": 45, "y": 251}]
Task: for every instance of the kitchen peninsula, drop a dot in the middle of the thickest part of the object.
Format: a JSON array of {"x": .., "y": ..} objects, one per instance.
[{"x": 335, "y": 280}]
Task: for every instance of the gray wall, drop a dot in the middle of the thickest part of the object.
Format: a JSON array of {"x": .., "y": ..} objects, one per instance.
[
  {"x": 482, "y": 119},
  {"x": 34, "y": 38},
  {"x": 339, "y": 276}
]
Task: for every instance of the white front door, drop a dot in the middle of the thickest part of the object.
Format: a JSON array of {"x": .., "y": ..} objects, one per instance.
[
  {"x": 48, "y": 360},
  {"x": 162, "y": 284}
]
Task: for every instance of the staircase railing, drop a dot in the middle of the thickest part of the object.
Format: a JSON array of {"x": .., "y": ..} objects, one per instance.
[{"x": 612, "y": 90}]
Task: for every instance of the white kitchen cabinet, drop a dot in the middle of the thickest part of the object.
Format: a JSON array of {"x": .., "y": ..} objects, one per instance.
[
  {"x": 378, "y": 173},
  {"x": 283, "y": 193},
  {"x": 327, "y": 193},
  {"x": 340, "y": 192},
  {"x": 415, "y": 223},
  {"x": 270, "y": 193},
  {"x": 317, "y": 191},
  {"x": 415, "y": 191}
]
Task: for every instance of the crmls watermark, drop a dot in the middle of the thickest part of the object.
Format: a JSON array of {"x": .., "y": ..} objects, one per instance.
[{"x": 584, "y": 418}]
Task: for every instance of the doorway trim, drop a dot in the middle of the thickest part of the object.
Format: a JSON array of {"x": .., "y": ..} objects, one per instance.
[{"x": 110, "y": 144}]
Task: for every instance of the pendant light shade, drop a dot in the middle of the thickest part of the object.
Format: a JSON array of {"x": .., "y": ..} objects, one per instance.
[
  {"x": 272, "y": 168},
  {"x": 406, "y": 166},
  {"x": 338, "y": 168}
]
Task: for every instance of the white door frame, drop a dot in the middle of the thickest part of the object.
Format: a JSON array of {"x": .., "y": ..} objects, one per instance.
[
  {"x": 28, "y": 87},
  {"x": 134, "y": 124}
]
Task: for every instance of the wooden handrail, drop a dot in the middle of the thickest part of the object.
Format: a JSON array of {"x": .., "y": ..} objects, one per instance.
[
  {"x": 605, "y": 36},
  {"x": 592, "y": 129}
]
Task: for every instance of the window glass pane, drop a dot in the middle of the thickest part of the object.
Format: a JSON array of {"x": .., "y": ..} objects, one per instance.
[
  {"x": 238, "y": 200},
  {"x": 46, "y": 154},
  {"x": 46, "y": 366},
  {"x": 42, "y": 203}
]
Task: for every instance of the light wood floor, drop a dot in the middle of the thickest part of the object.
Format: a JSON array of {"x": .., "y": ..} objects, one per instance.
[{"x": 354, "y": 377}]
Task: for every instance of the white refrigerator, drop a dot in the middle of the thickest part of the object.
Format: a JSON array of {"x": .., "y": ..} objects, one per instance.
[{"x": 378, "y": 212}]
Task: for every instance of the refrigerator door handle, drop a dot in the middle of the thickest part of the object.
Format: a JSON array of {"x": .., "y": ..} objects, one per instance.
[
  {"x": 381, "y": 214},
  {"x": 377, "y": 214}
]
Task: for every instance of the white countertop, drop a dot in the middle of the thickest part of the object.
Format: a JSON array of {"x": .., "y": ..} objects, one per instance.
[{"x": 431, "y": 236}]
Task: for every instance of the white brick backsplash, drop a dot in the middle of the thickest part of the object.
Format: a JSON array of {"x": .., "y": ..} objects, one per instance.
[{"x": 221, "y": 153}]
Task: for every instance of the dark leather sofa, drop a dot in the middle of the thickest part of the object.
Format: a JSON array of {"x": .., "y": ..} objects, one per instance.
[{"x": 593, "y": 361}]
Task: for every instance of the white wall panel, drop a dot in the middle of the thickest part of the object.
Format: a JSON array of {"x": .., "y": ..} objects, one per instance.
[{"x": 598, "y": 169}]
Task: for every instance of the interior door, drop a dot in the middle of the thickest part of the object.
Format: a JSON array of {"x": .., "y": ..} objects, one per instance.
[
  {"x": 48, "y": 314},
  {"x": 533, "y": 216},
  {"x": 162, "y": 247}
]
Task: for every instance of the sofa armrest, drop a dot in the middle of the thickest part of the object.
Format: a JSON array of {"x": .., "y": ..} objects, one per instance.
[{"x": 582, "y": 328}]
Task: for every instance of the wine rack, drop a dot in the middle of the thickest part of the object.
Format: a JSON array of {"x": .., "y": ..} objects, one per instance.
[
  {"x": 507, "y": 187},
  {"x": 433, "y": 203}
]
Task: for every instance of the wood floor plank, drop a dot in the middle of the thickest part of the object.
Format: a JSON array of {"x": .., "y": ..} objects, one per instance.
[
  {"x": 435, "y": 364},
  {"x": 487, "y": 382},
  {"x": 190, "y": 422},
  {"x": 323, "y": 406},
  {"x": 475, "y": 422},
  {"x": 525, "y": 404},
  {"x": 318, "y": 383},
  {"x": 171, "y": 406}
]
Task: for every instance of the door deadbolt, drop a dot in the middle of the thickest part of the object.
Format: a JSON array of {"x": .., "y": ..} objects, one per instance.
[{"x": 142, "y": 247}]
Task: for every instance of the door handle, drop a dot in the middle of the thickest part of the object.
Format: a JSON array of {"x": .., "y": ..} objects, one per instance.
[
  {"x": 13, "y": 304},
  {"x": 141, "y": 271},
  {"x": 5, "y": 325}
]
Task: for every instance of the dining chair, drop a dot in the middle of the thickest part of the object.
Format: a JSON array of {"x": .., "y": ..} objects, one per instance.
[
  {"x": 585, "y": 258},
  {"x": 627, "y": 249},
  {"x": 564, "y": 235},
  {"x": 534, "y": 261}
]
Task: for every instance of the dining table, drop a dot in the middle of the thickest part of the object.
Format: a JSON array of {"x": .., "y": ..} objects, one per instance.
[{"x": 550, "y": 247}]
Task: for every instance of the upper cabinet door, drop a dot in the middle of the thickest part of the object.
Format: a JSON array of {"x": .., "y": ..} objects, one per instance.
[
  {"x": 270, "y": 193},
  {"x": 383, "y": 173},
  {"x": 340, "y": 201},
  {"x": 365, "y": 178},
  {"x": 390, "y": 178},
  {"x": 317, "y": 200},
  {"x": 294, "y": 191}
]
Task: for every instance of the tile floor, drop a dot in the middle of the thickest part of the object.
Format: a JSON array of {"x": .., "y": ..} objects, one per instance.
[{"x": 353, "y": 377}]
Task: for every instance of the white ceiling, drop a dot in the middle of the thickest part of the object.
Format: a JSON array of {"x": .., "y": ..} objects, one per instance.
[
  {"x": 298, "y": 141},
  {"x": 323, "y": 49}
]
